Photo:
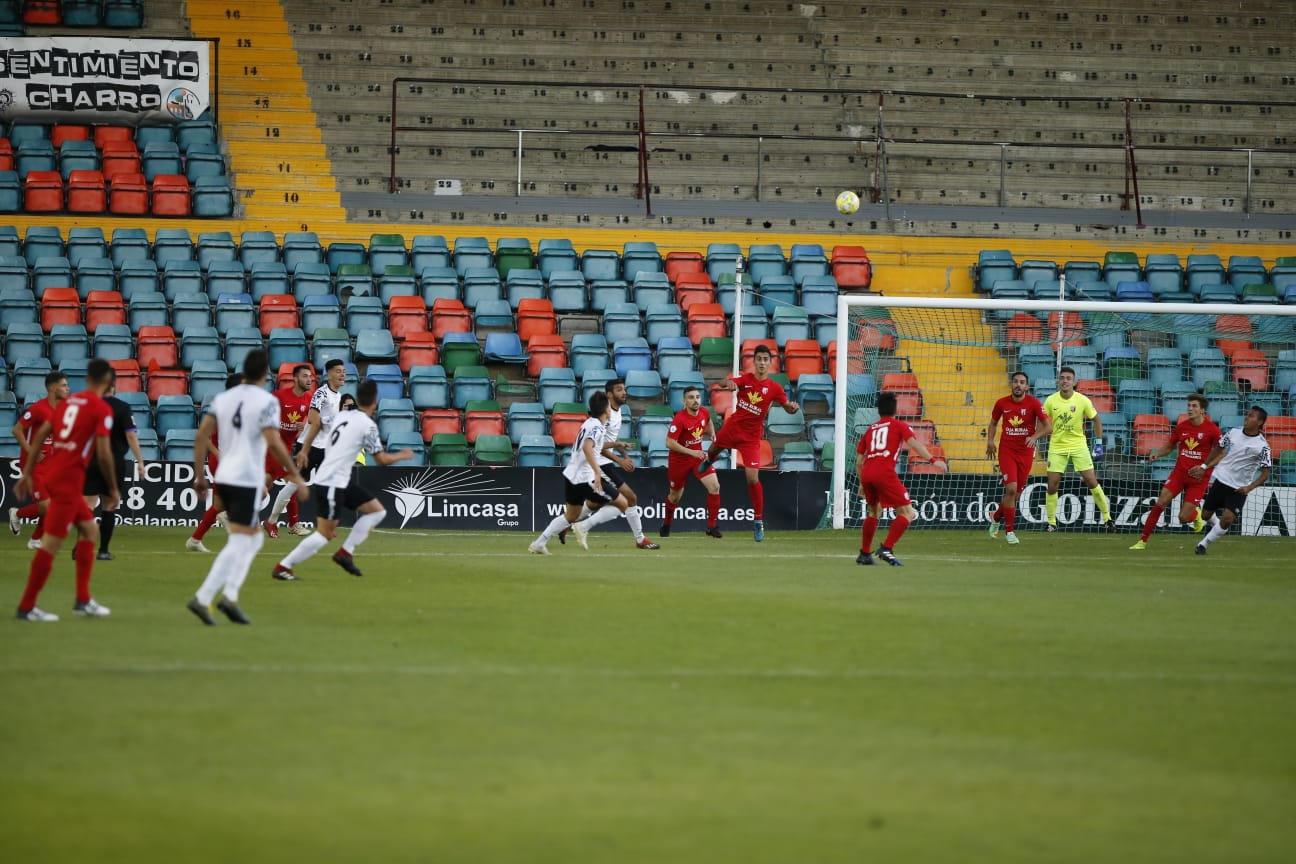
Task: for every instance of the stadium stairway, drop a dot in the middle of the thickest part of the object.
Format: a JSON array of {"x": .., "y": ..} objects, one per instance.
[{"x": 267, "y": 118}]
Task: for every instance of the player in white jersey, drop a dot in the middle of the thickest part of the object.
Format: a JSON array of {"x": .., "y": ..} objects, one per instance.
[
  {"x": 337, "y": 487},
  {"x": 325, "y": 404},
  {"x": 246, "y": 418},
  {"x": 616, "y": 465},
  {"x": 1238, "y": 457},
  {"x": 584, "y": 480}
]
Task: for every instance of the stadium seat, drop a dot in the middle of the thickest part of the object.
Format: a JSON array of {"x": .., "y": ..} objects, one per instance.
[
  {"x": 675, "y": 354},
  {"x": 397, "y": 281},
  {"x": 493, "y": 316},
  {"x": 406, "y": 315},
  {"x": 428, "y": 387},
  {"x": 412, "y": 441},
  {"x": 692, "y": 288},
  {"x": 1136, "y": 396},
  {"x": 387, "y": 250},
  {"x": 662, "y": 320},
  {"x": 1100, "y": 393},
  {"x": 239, "y": 341},
  {"x": 59, "y": 306},
  {"x": 266, "y": 278},
  {"x": 96, "y": 274},
  {"x": 705, "y": 320},
  {"x": 1206, "y": 365},
  {"x": 449, "y": 449},
  {"x": 851, "y": 268},
  {"x": 644, "y": 387},
  {"x": 556, "y": 384},
  {"x": 330, "y": 343},
  {"x": 565, "y": 421},
  {"x": 354, "y": 280},
  {"x": 459, "y": 349},
  {"x": 364, "y": 313},
  {"x": 440, "y": 420},
  {"x": 588, "y": 351},
  {"x": 545, "y": 350},
  {"x": 17, "y": 305},
  {"x": 537, "y": 451},
  {"x": 277, "y": 311},
  {"x": 234, "y": 310},
  {"x": 396, "y": 416},
  {"x": 418, "y": 349},
  {"x": 1151, "y": 432},
  {"x": 319, "y": 311},
  {"x": 427, "y": 250},
  {"x": 631, "y": 354},
  {"x": 87, "y": 191},
  {"x": 470, "y": 384},
  {"x": 909, "y": 401},
  {"x": 816, "y": 394},
  {"x": 104, "y": 307},
  {"x": 376, "y": 344},
  {"x": 450, "y": 316},
  {"x": 483, "y": 417},
  {"x": 1250, "y": 369}
]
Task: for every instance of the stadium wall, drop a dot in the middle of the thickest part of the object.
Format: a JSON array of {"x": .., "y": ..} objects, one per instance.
[{"x": 526, "y": 499}]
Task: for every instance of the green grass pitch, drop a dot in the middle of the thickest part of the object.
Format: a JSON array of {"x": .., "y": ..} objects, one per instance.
[{"x": 1065, "y": 700}]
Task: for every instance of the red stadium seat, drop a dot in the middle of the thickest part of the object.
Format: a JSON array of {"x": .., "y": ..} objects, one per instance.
[
  {"x": 438, "y": 420},
  {"x": 61, "y": 132},
  {"x": 565, "y": 425},
  {"x": 59, "y": 306},
  {"x": 802, "y": 356},
  {"x": 876, "y": 334},
  {"x": 128, "y": 195},
  {"x": 129, "y": 379},
  {"x": 418, "y": 349},
  {"x": 914, "y": 465},
  {"x": 1235, "y": 334},
  {"x": 406, "y": 315},
  {"x": 851, "y": 268},
  {"x": 1023, "y": 328},
  {"x": 43, "y": 192},
  {"x": 278, "y": 312},
  {"x": 119, "y": 157},
  {"x": 1252, "y": 366},
  {"x": 170, "y": 195},
  {"x": 42, "y": 12},
  {"x": 693, "y": 288},
  {"x": 6, "y": 155},
  {"x": 678, "y": 263},
  {"x": 87, "y": 192},
  {"x": 535, "y": 316},
  {"x": 1280, "y": 432},
  {"x": 449, "y": 316},
  {"x": 544, "y": 351},
  {"x": 1100, "y": 393},
  {"x": 909, "y": 400},
  {"x": 480, "y": 420},
  {"x": 1151, "y": 432},
  {"x": 167, "y": 382},
  {"x": 705, "y": 319},
  {"x": 1073, "y": 329},
  {"x": 155, "y": 346},
  {"x": 104, "y": 307},
  {"x": 925, "y": 431},
  {"x": 105, "y": 135},
  {"x": 721, "y": 400}
]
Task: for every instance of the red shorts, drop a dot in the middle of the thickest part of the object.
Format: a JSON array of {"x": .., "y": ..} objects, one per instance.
[
  {"x": 1193, "y": 490},
  {"x": 274, "y": 468},
  {"x": 67, "y": 507},
  {"x": 1015, "y": 465},
  {"x": 748, "y": 449},
  {"x": 679, "y": 468},
  {"x": 884, "y": 488},
  {"x": 39, "y": 488}
]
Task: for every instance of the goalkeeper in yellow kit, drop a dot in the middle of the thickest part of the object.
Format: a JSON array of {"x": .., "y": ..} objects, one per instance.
[{"x": 1068, "y": 411}]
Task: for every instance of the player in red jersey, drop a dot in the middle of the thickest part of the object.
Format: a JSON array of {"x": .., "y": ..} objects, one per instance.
[
  {"x": 1024, "y": 423},
  {"x": 689, "y": 427},
  {"x": 1195, "y": 436},
  {"x": 745, "y": 427},
  {"x": 56, "y": 390},
  {"x": 879, "y": 448},
  {"x": 294, "y": 406},
  {"x": 212, "y": 514},
  {"x": 80, "y": 426}
]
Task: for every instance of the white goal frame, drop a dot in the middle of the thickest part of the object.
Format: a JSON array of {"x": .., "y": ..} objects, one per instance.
[{"x": 846, "y": 301}]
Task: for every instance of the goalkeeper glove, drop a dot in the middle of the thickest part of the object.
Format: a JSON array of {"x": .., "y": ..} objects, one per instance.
[{"x": 1098, "y": 450}]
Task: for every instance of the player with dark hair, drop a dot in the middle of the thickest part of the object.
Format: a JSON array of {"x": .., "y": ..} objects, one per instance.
[
  {"x": 325, "y": 403},
  {"x": 1195, "y": 436},
  {"x": 247, "y": 420},
  {"x": 337, "y": 486},
  {"x": 744, "y": 428},
  {"x": 123, "y": 440},
  {"x": 294, "y": 409},
  {"x": 690, "y": 426},
  {"x": 1067, "y": 411},
  {"x": 80, "y": 428},
  {"x": 879, "y": 449},
  {"x": 56, "y": 390},
  {"x": 1241, "y": 461},
  {"x": 615, "y": 465},
  {"x": 584, "y": 481},
  {"x": 1024, "y": 423}
]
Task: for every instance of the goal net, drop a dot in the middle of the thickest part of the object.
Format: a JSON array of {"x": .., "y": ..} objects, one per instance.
[{"x": 948, "y": 361}]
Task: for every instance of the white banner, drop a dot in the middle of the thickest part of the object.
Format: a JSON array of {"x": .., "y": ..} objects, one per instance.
[{"x": 90, "y": 80}]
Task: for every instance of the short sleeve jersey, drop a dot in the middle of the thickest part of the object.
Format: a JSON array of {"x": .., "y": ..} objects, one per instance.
[
  {"x": 611, "y": 432},
  {"x": 752, "y": 401},
  {"x": 1245, "y": 455},
  {"x": 1068, "y": 416},
  {"x": 78, "y": 421},
  {"x": 1194, "y": 442},
  {"x": 688, "y": 429},
  {"x": 881, "y": 444},
  {"x": 578, "y": 469},
  {"x": 242, "y": 414},
  {"x": 1020, "y": 420},
  {"x": 353, "y": 432},
  {"x": 327, "y": 402},
  {"x": 292, "y": 414},
  {"x": 33, "y": 418}
]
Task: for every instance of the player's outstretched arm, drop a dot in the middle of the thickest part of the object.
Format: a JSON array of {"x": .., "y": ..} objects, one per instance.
[
  {"x": 920, "y": 450},
  {"x": 385, "y": 458},
  {"x": 791, "y": 407}
]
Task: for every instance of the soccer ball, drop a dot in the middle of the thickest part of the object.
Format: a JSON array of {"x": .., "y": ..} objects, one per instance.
[{"x": 847, "y": 202}]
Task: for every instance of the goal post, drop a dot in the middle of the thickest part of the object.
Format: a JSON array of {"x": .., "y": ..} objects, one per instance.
[{"x": 949, "y": 360}]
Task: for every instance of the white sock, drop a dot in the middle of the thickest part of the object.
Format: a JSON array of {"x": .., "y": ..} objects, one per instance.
[
  {"x": 220, "y": 568},
  {"x": 1216, "y": 532},
  {"x": 602, "y": 515},
  {"x": 636, "y": 523},
  {"x": 286, "y": 493},
  {"x": 305, "y": 549},
  {"x": 558, "y": 524},
  {"x": 1214, "y": 520},
  {"x": 363, "y": 526},
  {"x": 249, "y": 548},
  {"x": 585, "y": 511}
]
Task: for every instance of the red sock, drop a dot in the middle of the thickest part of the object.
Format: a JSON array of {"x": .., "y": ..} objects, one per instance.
[
  {"x": 756, "y": 492},
  {"x": 40, "y": 529},
  {"x": 713, "y": 510},
  {"x": 898, "y": 526},
  {"x": 205, "y": 523},
  {"x": 867, "y": 532},
  {"x": 671, "y": 507},
  {"x": 85, "y": 558},
  {"x": 41, "y": 565},
  {"x": 31, "y": 511},
  {"x": 1150, "y": 524},
  {"x": 1009, "y": 515},
  {"x": 293, "y": 513}
]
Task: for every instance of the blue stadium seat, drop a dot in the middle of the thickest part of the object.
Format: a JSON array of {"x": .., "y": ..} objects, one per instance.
[
  {"x": 42, "y": 241},
  {"x": 1165, "y": 365},
  {"x": 776, "y": 291},
  {"x": 1174, "y": 398},
  {"x": 175, "y": 412},
  {"x": 320, "y": 311},
  {"x": 652, "y": 289},
  {"x": 328, "y": 343},
  {"x": 411, "y": 441},
  {"x": 631, "y": 354},
  {"x": 557, "y": 384},
  {"x": 95, "y": 274},
  {"x": 722, "y": 258},
  {"x": 526, "y": 419},
  {"x": 301, "y": 247},
  {"x": 521, "y": 284},
  {"x": 396, "y": 416},
  {"x": 17, "y": 305},
  {"x": 376, "y": 344},
  {"x": 470, "y": 384},
  {"x": 68, "y": 342},
  {"x": 1207, "y": 365},
  {"x": 493, "y": 315},
  {"x": 288, "y": 345},
  {"x": 113, "y": 342},
  {"x": 83, "y": 243},
  {"x": 147, "y": 308},
  {"x": 268, "y": 277},
  {"x": 178, "y": 445},
  {"x": 663, "y": 320},
  {"x": 481, "y": 283},
  {"x": 621, "y": 321},
  {"x": 644, "y": 385},
  {"x": 639, "y": 256},
  {"x": 567, "y": 291},
  {"x": 429, "y": 387},
  {"x": 182, "y": 276},
  {"x": 819, "y": 295},
  {"x": 200, "y": 343},
  {"x": 206, "y": 379},
  {"x": 138, "y": 277},
  {"x": 238, "y": 342},
  {"x": 234, "y": 310},
  {"x": 596, "y": 264},
  {"x": 364, "y": 313},
  {"x": 536, "y": 451},
  {"x": 807, "y": 259},
  {"x": 387, "y": 250},
  {"x": 588, "y": 351},
  {"x": 675, "y": 354},
  {"x": 679, "y": 381},
  {"x": 1136, "y": 396},
  {"x": 439, "y": 282},
  {"x": 345, "y": 252},
  {"x": 142, "y": 411},
  {"x": 470, "y": 253},
  {"x": 429, "y": 250}
]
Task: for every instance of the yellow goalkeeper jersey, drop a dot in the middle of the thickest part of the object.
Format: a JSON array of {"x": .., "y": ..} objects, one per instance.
[{"x": 1068, "y": 416}]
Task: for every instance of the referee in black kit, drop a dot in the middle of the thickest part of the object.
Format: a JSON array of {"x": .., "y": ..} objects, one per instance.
[{"x": 121, "y": 439}]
